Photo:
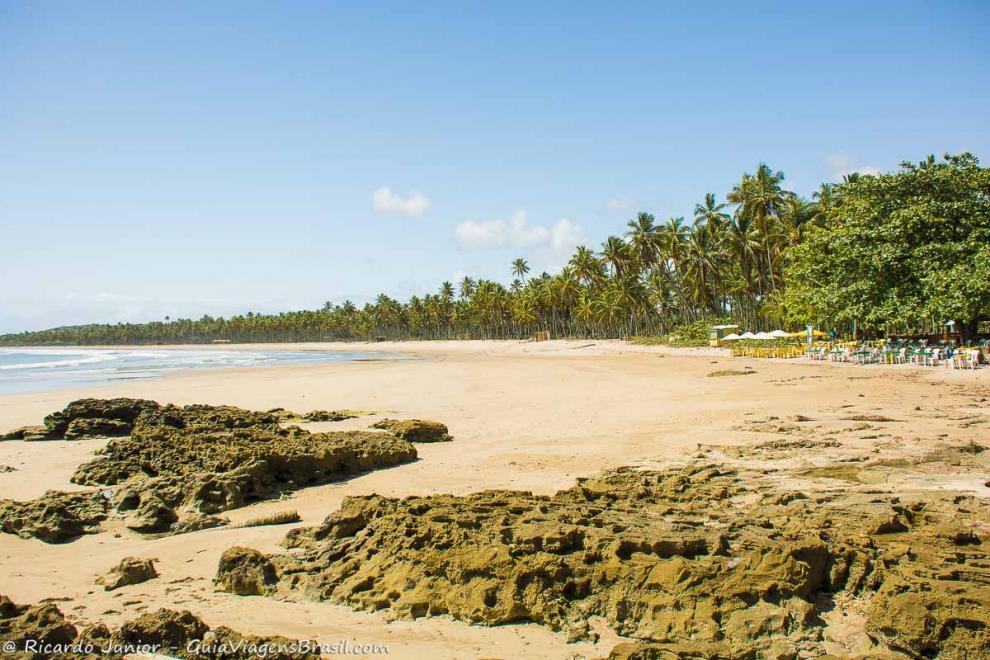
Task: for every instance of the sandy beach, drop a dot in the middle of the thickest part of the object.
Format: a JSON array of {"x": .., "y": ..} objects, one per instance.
[{"x": 525, "y": 416}]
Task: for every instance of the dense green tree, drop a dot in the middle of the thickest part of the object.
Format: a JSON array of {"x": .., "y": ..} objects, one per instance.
[{"x": 901, "y": 250}]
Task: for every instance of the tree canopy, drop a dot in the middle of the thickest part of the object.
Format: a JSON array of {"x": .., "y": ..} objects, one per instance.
[{"x": 898, "y": 250}]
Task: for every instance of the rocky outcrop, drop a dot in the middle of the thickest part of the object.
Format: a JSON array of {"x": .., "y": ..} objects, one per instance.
[
  {"x": 181, "y": 634},
  {"x": 130, "y": 570},
  {"x": 29, "y": 433},
  {"x": 124, "y": 411},
  {"x": 55, "y": 517},
  {"x": 415, "y": 430},
  {"x": 327, "y": 415},
  {"x": 164, "y": 632},
  {"x": 41, "y": 624},
  {"x": 703, "y": 560},
  {"x": 166, "y": 474},
  {"x": 245, "y": 572},
  {"x": 179, "y": 466}
]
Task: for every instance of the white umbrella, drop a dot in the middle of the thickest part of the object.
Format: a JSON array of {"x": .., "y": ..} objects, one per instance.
[
  {"x": 764, "y": 335},
  {"x": 731, "y": 337},
  {"x": 780, "y": 334},
  {"x": 748, "y": 335}
]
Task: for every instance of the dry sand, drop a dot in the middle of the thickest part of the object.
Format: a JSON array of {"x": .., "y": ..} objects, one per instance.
[{"x": 523, "y": 415}]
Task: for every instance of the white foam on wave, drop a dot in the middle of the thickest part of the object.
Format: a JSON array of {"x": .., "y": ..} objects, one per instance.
[{"x": 84, "y": 357}]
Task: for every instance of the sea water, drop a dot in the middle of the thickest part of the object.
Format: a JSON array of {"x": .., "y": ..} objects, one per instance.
[{"x": 35, "y": 369}]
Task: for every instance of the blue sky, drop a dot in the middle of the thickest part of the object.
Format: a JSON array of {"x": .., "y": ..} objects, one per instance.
[{"x": 187, "y": 158}]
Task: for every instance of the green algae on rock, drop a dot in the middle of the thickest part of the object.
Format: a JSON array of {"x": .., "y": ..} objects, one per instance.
[
  {"x": 701, "y": 560},
  {"x": 56, "y": 516},
  {"x": 178, "y": 466},
  {"x": 415, "y": 430}
]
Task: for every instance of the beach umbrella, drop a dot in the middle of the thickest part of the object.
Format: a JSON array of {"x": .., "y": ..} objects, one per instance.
[
  {"x": 748, "y": 335},
  {"x": 763, "y": 335},
  {"x": 731, "y": 337},
  {"x": 780, "y": 334}
]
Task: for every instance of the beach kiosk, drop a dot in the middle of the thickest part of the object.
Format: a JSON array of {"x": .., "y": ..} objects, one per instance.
[{"x": 717, "y": 332}]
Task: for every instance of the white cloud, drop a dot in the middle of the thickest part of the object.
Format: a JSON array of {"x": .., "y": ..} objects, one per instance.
[
  {"x": 547, "y": 246},
  {"x": 840, "y": 163},
  {"x": 385, "y": 201},
  {"x": 565, "y": 236},
  {"x": 517, "y": 232},
  {"x": 622, "y": 204}
]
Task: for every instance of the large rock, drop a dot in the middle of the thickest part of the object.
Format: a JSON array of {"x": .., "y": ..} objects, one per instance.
[
  {"x": 130, "y": 570},
  {"x": 245, "y": 572},
  {"x": 120, "y": 410},
  {"x": 179, "y": 466},
  {"x": 182, "y": 634},
  {"x": 415, "y": 430},
  {"x": 168, "y": 629},
  {"x": 41, "y": 624},
  {"x": 164, "y": 632},
  {"x": 697, "y": 561},
  {"x": 55, "y": 517},
  {"x": 29, "y": 433}
]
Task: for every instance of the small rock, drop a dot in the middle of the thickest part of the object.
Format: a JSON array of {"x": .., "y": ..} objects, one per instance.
[
  {"x": 415, "y": 430},
  {"x": 29, "y": 433},
  {"x": 130, "y": 570}
]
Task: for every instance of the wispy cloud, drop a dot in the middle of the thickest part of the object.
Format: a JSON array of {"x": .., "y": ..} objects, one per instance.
[
  {"x": 840, "y": 163},
  {"x": 385, "y": 201},
  {"x": 622, "y": 204}
]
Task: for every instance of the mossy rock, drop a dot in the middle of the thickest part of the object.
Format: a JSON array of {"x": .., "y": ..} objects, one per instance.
[{"x": 415, "y": 430}]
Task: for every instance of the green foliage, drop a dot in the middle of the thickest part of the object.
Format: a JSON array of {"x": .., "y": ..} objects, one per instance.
[
  {"x": 693, "y": 334},
  {"x": 899, "y": 249}
]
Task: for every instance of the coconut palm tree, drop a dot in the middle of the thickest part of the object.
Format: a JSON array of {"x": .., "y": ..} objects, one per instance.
[
  {"x": 616, "y": 254},
  {"x": 520, "y": 269},
  {"x": 643, "y": 237},
  {"x": 711, "y": 212},
  {"x": 586, "y": 265}
]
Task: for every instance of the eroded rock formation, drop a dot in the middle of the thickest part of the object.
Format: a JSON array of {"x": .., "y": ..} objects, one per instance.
[
  {"x": 56, "y": 516},
  {"x": 165, "y": 632},
  {"x": 178, "y": 466},
  {"x": 708, "y": 559},
  {"x": 130, "y": 570},
  {"x": 415, "y": 430}
]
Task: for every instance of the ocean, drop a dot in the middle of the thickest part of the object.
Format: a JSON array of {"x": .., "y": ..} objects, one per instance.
[{"x": 37, "y": 369}]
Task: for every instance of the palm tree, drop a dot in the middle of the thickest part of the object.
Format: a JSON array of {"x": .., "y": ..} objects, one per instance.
[
  {"x": 616, "y": 254},
  {"x": 760, "y": 197},
  {"x": 643, "y": 238},
  {"x": 586, "y": 266},
  {"x": 520, "y": 268},
  {"x": 825, "y": 201},
  {"x": 711, "y": 212},
  {"x": 467, "y": 288},
  {"x": 795, "y": 213}
]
